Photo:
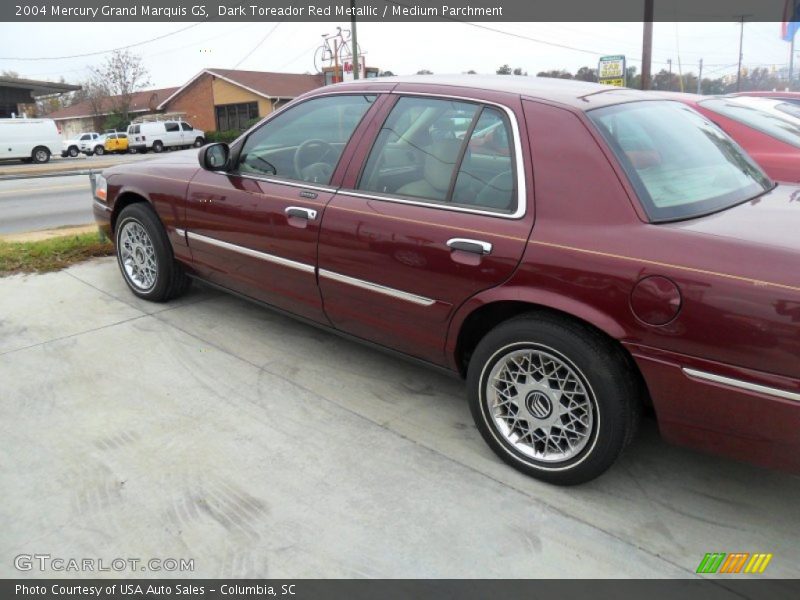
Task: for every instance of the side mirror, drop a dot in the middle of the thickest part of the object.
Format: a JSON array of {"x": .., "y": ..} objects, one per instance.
[{"x": 214, "y": 157}]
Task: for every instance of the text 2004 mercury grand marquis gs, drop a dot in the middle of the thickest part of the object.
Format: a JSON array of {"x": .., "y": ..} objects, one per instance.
[{"x": 574, "y": 251}]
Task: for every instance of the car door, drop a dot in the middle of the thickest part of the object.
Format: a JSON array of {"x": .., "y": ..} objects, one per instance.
[
  {"x": 428, "y": 215},
  {"x": 187, "y": 134},
  {"x": 255, "y": 227}
]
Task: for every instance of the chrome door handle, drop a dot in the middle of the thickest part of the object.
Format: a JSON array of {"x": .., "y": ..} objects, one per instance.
[
  {"x": 299, "y": 211},
  {"x": 466, "y": 245}
]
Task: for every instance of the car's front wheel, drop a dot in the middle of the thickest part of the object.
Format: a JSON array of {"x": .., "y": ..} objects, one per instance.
[
  {"x": 145, "y": 256},
  {"x": 553, "y": 398}
]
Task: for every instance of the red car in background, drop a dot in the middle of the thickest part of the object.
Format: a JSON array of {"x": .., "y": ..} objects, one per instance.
[{"x": 766, "y": 125}]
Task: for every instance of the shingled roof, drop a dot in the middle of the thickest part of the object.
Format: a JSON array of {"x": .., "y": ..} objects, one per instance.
[
  {"x": 282, "y": 86},
  {"x": 144, "y": 101}
]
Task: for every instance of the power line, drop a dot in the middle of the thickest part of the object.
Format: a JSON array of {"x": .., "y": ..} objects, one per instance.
[
  {"x": 306, "y": 51},
  {"x": 160, "y": 37},
  {"x": 258, "y": 45}
]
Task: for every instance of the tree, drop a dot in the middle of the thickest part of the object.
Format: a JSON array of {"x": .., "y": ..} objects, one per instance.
[
  {"x": 586, "y": 74},
  {"x": 121, "y": 76},
  {"x": 386, "y": 74},
  {"x": 472, "y": 72},
  {"x": 519, "y": 71},
  {"x": 94, "y": 92},
  {"x": 424, "y": 72},
  {"x": 7, "y": 73},
  {"x": 504, "y": 70},
  {"x": 634, "y": 80},
  {"x": 555, "y": 73}
]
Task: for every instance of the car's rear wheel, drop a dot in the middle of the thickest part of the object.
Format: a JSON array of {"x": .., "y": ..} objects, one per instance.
[
  {"x": 552, "y": 398},
  {"x": 198, "y": 142},
  {"x": 40, "y": 154},
  {"x": 158, "y": 146},
  {"x": 145, "y": 256},
  {"x": 99, "y": 150}
]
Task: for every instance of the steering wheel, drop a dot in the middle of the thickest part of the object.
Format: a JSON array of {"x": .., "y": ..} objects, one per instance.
[{"x": 309, "y": 160}]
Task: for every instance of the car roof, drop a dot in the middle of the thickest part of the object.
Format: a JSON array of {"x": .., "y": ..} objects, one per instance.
[{"x": 582, "y": 95}]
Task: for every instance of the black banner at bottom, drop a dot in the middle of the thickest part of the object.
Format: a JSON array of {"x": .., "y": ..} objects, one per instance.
[{"x": 390, "y": 589}]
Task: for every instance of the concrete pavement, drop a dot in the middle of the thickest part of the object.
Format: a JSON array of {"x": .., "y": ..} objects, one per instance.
[{"x": 213, "y": 429}]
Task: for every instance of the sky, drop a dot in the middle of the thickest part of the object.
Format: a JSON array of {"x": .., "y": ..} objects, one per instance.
[{"x": 399, "y": 47}]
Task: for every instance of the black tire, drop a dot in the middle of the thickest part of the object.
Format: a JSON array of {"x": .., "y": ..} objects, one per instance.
[
  {"x": 99, "y": 150},
  {"x": 73, "y": 151},
  {"x": 607, "y": 390},
  {"x": 170, "y": 279},
  {"x": 40, "y": 155},
  {"x": 158, "y": 146},
  {"x": 199, "y": 141}
]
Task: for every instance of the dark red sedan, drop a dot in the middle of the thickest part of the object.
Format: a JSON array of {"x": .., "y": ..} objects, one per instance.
[{"x": 576, "y": 252}]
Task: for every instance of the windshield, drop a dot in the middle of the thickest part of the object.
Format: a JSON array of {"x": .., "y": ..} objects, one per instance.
[
  {"x": 680, "y": 164},
  {"x": 786, "y": 129}
]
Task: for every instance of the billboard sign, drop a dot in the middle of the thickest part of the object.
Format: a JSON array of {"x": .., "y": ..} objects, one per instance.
[{"x": 611, "y": 70}]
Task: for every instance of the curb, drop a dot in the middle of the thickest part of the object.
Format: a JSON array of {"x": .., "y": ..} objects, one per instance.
[{"x": 46, "y": 234}]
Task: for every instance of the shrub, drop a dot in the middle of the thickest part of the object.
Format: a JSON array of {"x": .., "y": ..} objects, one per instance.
[{"x": 222, "y": 136}]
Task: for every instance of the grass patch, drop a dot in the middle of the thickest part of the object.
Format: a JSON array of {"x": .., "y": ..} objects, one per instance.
[{"x": 51, "y": 255}]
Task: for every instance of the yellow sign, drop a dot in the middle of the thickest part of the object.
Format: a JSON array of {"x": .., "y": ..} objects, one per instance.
[{"x": 611, "y": 70}]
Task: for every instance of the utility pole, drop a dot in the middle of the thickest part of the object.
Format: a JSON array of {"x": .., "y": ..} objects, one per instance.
[
  {"x": 669, "y": 62},
  {"x": 700, "y": 78},
  {"x": 647, "y": 44},
  {"x": 791, "y": 64},
  {"x": 741, "y": 39},
  {"x": 355, "y": 39}
]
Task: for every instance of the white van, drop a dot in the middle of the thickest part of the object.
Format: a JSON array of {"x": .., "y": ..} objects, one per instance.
[
  {"x": 159, "y": 135},
  {"x": 32, "y": 140}
]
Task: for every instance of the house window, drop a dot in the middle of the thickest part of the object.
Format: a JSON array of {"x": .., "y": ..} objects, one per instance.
[{"x": 236, "y": 116}]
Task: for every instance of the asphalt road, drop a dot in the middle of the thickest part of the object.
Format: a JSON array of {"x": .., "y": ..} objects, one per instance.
[
  {"x": 212, "y": 429},
  {"x": 56, "y": 163},
  {"x": 46, "y": 203},
  {"x": 34, "y": 203}
]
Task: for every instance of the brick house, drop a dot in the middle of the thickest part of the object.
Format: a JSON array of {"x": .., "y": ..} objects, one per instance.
[
  {"x": 223, "y": 99},
  {"x": 82, "y": 116}
]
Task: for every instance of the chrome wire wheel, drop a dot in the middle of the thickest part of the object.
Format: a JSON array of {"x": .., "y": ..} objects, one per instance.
[
  {"x": 137, "y": 255},
  {"x": 541, "y": 405}
]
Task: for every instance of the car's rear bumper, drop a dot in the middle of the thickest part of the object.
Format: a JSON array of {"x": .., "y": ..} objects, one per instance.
[{"x": 744, "y": 414}]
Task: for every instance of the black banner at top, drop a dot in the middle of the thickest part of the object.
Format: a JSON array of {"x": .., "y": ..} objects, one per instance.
[{"x": 393, "y": 10}]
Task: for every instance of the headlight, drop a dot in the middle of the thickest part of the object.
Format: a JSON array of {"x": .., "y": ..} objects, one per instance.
[{"x": 100, "y": 187}]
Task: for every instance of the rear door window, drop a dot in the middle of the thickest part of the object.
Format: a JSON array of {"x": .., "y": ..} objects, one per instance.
[
  {"x": 171, "y": 127},
  {"x": 444, "y": 151}
]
